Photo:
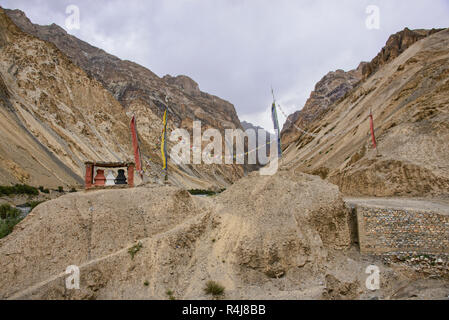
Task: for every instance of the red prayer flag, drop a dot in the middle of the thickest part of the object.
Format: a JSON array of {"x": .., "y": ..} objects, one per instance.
[{"x": 136, "y": 146}]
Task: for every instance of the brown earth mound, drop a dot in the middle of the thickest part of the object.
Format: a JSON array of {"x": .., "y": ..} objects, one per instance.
[
  {"x": 258, "y": 231},
  {"x": 287, "y": 236}
]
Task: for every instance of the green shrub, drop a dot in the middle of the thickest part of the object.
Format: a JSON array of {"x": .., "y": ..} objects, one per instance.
[
  {"x": 18, "y": 189},
  {"x": 197, "y": 192},
  {"x": 7, "y": 212},
  {"x": 134, "y": 249},
  {"x": 6, "y": 191},
  {"x": 60, "y": 189},
  {"x": 170, "y": 295},
  {"x": 214, "y": 288},
  {"x": 9, "y": 218},
  {"x": 73, "y": 190},
  {"x": 43, "y": 190},
  {"x": 25, "y": 189}
]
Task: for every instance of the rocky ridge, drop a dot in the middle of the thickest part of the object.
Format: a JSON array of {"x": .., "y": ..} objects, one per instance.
[
  {"x": 335, "y": 85},
  {"x": 332, "y": 87},
  {"x": 396, "y": 44}
]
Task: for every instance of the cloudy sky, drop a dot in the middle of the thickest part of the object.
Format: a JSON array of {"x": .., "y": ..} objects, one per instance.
[{"x": 237, "y": 49}]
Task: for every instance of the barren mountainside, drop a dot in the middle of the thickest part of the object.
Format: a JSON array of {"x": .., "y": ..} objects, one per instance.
[
  {"x": 139, "y": 91},
  {"x": 409, "y": 98},
  {"x": 328, "y": 90},
  {"x": 335, "y": 85},
  {"x": 396, "y": 44},
  {"x": 52, "y": 115},
  {"x": 131, "y": 83}
]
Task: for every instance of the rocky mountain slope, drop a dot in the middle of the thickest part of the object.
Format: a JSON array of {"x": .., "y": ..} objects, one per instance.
[
  {"x": 143, "y": 93},
  {"x": 335, "y": 85},
  {"x": 53, "y": 116},
  {"x": 328, "y": 90},
  {"x": 409, "y": 98},
  {"x": 268, "y": 136},
  {"x": 396, "y": 44},
  {"x": 247, "y": 125},
  {"x": 132, "y": 84}
]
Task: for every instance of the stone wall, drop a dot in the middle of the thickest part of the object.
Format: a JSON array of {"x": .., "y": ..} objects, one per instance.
[{"x": 391, "y": 230}]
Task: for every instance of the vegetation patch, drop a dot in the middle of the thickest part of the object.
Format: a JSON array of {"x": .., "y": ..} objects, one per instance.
[
  {"x": 9, "y": 218},
  {"x": 170, "y": 295},
  {"x": 199, "y": 192},
  {"x": 134, "y": 249},
  {"x": 43, "y": 190},
  {"x": 214, "y": 288},
  {"x": 18, "y": 189}
]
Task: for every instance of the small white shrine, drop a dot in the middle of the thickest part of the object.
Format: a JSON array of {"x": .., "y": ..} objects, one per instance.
[{"x": 110, "y": 179}]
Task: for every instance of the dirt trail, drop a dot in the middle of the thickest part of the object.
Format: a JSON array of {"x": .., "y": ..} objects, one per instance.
[{"x": 416, "y": 204}]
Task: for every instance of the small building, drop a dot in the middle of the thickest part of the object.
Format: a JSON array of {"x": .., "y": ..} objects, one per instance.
[{"x": 95, "y": 177}]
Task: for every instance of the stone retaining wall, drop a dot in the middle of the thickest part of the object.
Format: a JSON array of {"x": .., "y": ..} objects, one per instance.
[{"x": 391, "y": 230}]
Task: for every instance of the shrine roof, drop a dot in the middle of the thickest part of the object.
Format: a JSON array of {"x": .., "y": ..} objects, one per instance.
[{"x": 110, "y": 164}]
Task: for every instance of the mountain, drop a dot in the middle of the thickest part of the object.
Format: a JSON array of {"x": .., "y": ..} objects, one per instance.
[
  {"x": 140, "y": 92},
  {"x": 268, "y": 138},
  {"x": 134, "y": 85},
  {"x": 335, "y": 85},
  {"x": 248, "y": 125},
  {"x": 53, "y": 116},
  {"x": 406, "y": 86},
  {"x": 290, "y": 235},
  {"x": 396, "y": 44},
  {"x": 328, "y": 90}
]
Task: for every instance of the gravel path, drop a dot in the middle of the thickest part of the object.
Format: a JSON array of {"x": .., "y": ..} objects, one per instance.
[{"x": 437, "y": 206}]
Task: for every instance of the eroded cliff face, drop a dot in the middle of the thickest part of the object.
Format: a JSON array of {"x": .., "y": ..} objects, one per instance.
[
  {"x": 409, "y": 98},
  {"x": 140, "y": 92}
]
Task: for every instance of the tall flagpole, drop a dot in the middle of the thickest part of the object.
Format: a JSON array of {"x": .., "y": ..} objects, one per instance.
[
  {"x": 135, "y": 140},
  {"x": 373, "y": 136},
  {"x": 275, "y": 119}
]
